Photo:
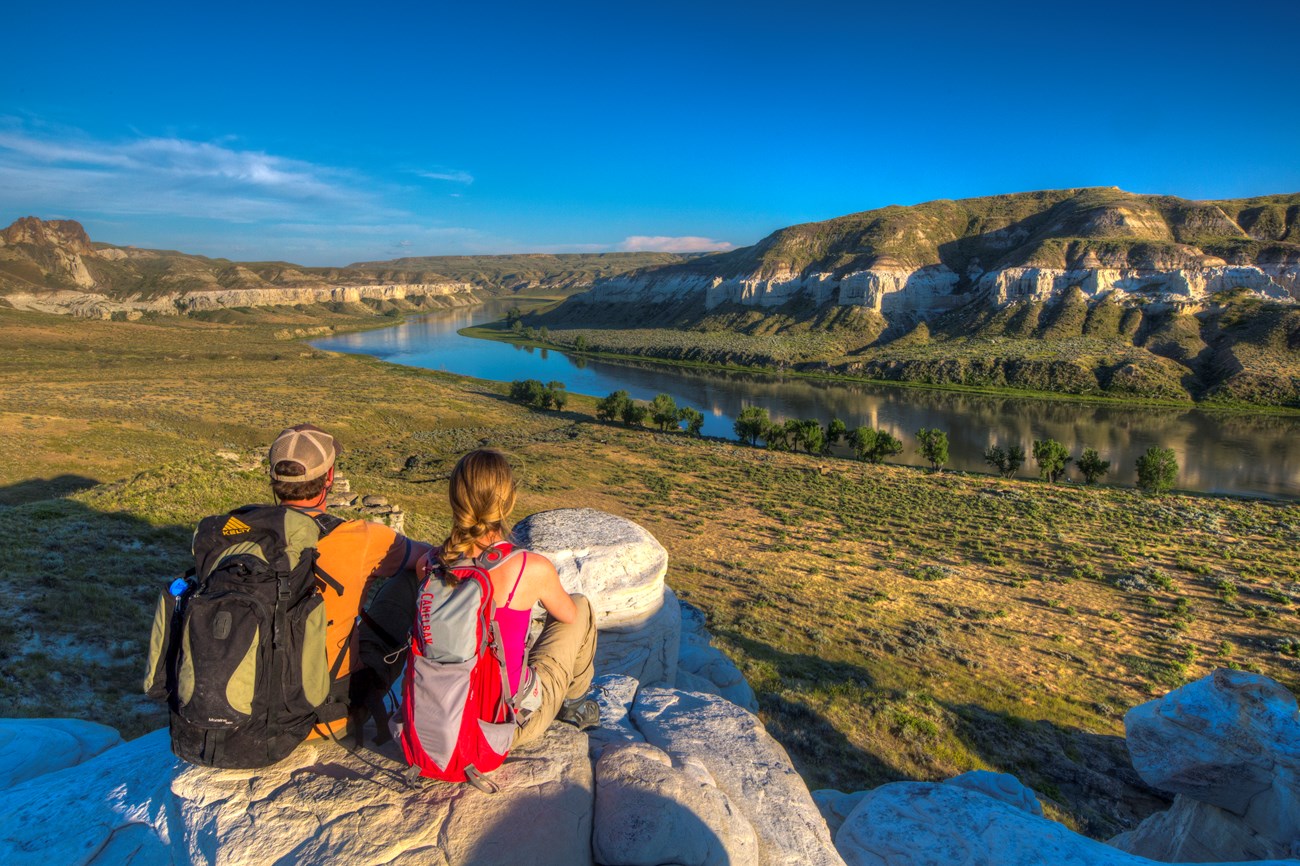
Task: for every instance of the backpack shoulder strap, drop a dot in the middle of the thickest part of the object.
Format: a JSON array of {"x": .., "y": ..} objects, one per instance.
[
  {"x": 327, "y": 522},
  {"x": 496, "y": 554}
]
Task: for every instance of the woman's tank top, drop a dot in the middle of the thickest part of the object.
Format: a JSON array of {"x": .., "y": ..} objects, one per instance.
[{"x": 514, "y": 630}]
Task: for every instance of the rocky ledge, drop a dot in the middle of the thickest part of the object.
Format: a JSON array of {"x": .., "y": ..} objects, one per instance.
[{"x": 676, "y": 774}]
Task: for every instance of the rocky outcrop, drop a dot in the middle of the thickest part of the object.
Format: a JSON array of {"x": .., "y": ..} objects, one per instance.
[
  {"x": 933, "y": 824},
  {"x": 650, "y": 811},
  {"x": 1228, "y": 746},
  {"x": 620, "y": 567},
  {"x": 701, "y": 667},
  {"x": 59, "y": 246},
  {"x": 928, "y": 291},
  {"x": 924, "y": 260},
  {"x": 32, "y": 747},
  {"x": 1277, "y": 282}
]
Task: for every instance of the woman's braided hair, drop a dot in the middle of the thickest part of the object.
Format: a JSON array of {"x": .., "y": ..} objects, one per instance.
[{"x": 482, "y": 494}]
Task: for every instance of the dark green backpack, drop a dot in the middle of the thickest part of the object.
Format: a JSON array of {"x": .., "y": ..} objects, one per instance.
[{"x": 238, "y": 645}]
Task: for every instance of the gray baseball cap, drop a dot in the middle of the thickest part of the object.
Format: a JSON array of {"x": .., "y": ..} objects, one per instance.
[{"x": 307, "y": 445}]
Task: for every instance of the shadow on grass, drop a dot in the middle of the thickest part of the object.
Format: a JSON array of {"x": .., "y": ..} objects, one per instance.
[
  {"x": 80, "y": 587},
  {"x": 1088, "y": 775},
  {"x": 36, "y": 489}
]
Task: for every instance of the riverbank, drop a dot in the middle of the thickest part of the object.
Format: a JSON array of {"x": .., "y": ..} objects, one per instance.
[
  {"x": 500, "y": 333},
  {"x": 946, "y": 621}
]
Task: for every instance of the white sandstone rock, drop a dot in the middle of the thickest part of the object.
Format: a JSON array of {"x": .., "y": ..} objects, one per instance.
[
  {"x": 321, "y": 805},
  {"x": 928, "y": 824},
  {"x": 33, "y": 747},
  {"x": 836, "y": 806},
  {"x": 620, "y": 568},
  {"x": 703, "y": 667},
  {"x": 999, "y": 786},
  {"x": 650, "y": 812},
  {"x": 1195, "y": 832},
  {"x": 748, "y": 765},
  {"x": 1231, "y": 742}
]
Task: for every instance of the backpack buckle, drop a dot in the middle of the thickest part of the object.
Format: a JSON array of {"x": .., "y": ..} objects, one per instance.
[{"x": 282, "y": 587}]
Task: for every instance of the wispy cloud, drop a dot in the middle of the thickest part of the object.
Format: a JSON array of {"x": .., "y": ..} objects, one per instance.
[
  {"x": 660, "y": 244},
  {"x": 46, "y": 170},
  {"x": 452, "y": 174}
]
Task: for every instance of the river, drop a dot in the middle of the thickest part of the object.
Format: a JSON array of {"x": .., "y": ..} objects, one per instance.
[{"x": 1237, "y": 453}]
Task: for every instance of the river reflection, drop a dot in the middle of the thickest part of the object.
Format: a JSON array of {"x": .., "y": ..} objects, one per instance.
[{"x": 1236, "y": 453}]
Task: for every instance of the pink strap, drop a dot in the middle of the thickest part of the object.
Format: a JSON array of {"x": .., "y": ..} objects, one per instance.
[{"x": 523, "y": 562}]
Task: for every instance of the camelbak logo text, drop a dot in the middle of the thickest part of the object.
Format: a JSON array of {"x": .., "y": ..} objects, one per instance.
[
  {"x": 426, "y": 608},
  {"x": 235, "y": 526}
]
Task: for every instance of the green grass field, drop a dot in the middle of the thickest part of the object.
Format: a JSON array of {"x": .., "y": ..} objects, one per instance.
[{"x": 896, "y": 624}]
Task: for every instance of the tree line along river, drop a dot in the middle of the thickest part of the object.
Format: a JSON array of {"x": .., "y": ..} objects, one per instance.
[{"x": 1237, "y": 453}]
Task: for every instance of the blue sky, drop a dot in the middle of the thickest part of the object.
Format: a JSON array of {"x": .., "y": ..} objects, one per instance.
[{"x": 331, "y": 133}]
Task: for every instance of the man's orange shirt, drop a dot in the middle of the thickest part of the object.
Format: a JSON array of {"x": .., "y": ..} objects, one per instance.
[{"x": 359, "y": 555}]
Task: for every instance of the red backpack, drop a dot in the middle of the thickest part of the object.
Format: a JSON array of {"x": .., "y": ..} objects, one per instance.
[{"x": 457, "y": 715}]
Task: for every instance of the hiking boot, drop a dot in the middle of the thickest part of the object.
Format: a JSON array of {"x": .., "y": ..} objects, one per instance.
[{"x": 583, "y": 713}]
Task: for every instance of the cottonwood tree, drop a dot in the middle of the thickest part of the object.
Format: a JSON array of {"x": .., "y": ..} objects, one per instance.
[
  {"x": 633, "y": 413},
  {"x": 1157, "y": 469},
  {"x": 1052, "y": 458},
  {"x": 808, "y": 435},
  {"x": 533, "y": 393},
  {"x": 1007, "y": 461},
  {"x": 692, "y": 418},
  {"x": 1091, "y": 466},
  {"x": 611, "y": 407},
  {"x": 663, "y": 411},
  {"x": 934, "y": 446},
  {"x": 874, "y": 446},
  {"x": 835, "y": 432},
  {"x": 752, "y": 423}
]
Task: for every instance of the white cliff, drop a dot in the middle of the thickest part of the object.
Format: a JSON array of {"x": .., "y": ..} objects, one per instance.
[
  {"x": 892, "y": 289},
  {"x": 94, "y": 305}
]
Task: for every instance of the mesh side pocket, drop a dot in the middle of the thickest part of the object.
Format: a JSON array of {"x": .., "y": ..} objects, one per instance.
[
  {"x": 306, "y": 674},
  {"x": 156, "y": 672},
  {"x": 439, "y": 692},
  {"x": 498, "y": 736}
]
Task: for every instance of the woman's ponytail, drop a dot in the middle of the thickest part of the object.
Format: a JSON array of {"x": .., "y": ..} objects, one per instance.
[{"x": 482, "y": 495}]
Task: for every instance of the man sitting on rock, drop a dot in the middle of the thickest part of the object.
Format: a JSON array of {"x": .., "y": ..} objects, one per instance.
[{"x": 353, "y": 558}]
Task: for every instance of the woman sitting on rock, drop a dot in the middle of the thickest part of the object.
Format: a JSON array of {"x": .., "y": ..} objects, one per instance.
[{"x": 560, "y": 662}]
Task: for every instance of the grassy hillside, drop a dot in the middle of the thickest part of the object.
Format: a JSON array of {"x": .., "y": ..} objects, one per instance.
[
  {"x": 1239, "y": 351},
  {"x": 533, "y": 273},
  {"x": 36, "y": 255},
  {"x": 944, "y": 622}
]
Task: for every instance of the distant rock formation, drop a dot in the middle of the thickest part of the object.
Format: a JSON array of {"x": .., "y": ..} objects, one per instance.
[
  {"x": 673, "y": 775},
  {"x": 924, "y": 260},
  {"x": 53, "y": 267}
]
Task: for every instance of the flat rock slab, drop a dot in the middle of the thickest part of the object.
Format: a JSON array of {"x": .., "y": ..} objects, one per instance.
[
  {"x": 928, "y": 824},
  {"x": 321, "y": 805},
  {"x": 748, "y": 766},
  {"x": 33, "y": 747}
]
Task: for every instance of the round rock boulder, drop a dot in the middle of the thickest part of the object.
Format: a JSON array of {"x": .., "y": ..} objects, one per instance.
[{"x": 620, "y": 568}]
